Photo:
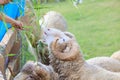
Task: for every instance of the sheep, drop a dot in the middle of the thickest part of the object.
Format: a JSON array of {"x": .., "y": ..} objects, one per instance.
[
  {"x": 49, "y": 34},
  {"x": 36, "y": 71},
  {"x": 70, "y": 64},
  {"x": 53, "y": 19},
  {"x": 45, "y": 41}
]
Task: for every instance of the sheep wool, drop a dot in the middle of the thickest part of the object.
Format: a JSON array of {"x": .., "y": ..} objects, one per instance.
[{"x": 106, "y": 63}]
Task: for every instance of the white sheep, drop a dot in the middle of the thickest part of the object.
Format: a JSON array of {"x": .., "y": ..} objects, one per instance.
[
  {"x": 53, "y": 19},
  {"x": 70, "y": 64},
  {"x": 36, "y": 71},
  {"x": 49, "y": 34}
]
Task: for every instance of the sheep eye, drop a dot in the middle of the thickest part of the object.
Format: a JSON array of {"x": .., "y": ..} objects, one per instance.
[
  {"x": 64, "y": 40},
  {"x": 48, "y": 29}
]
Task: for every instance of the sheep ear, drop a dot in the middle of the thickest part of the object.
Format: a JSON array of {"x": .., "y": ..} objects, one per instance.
[
  {"x": 42, "y": 72},
  {"x": 70, "y": 35},
  {"x": 41, "y": 23},
  {"x": 28, "y": 67}
]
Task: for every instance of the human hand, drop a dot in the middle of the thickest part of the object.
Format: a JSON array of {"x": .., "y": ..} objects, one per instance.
[
  {"x": 4, "y": 1},
  {"x": 18, "y": 25}
]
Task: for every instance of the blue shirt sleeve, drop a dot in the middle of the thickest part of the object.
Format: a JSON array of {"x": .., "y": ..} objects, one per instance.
[{"x": 21, "y": 5}]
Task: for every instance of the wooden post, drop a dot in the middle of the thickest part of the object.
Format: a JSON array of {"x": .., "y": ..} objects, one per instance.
[
  {"x": 2, "y": 64},
  {"x": 14, "y": 61},
  {"x": 6, "y": 44},
  {"x": 8, "y": 41}
]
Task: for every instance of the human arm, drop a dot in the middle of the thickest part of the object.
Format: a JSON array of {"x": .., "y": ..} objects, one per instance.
[
  {"x": 13, "y": 22},
  {"x": 4, "y": 2}
]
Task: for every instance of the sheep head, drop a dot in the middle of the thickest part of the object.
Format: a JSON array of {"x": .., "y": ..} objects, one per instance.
[
  {"x": 66, "y": 51},
  {"x": 26, "y": 71},
  {"x": 49, "y": 34},
  {"x": 47, "y": 72},
  {"x": 33, "y": 71}
]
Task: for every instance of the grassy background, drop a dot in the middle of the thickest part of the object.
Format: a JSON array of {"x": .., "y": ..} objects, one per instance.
[{"x": 95, "y": 23}]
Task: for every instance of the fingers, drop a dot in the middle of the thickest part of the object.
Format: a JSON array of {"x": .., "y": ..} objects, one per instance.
[
  {"x": 2, "y": 2},
  {"x": 18, "y": 25},
  {"x": 6, "y": 1}
]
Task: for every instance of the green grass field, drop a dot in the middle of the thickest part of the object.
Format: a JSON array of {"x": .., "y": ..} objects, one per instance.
[{"x": 95, "y": 24}]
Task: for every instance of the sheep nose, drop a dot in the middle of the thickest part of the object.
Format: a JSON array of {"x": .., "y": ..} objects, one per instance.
[
  {"x": 45, "y": 33},
  {"x": 48, "y": 29}
]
